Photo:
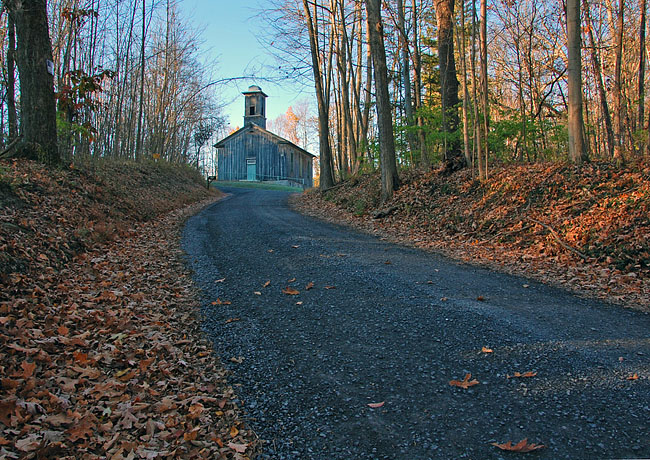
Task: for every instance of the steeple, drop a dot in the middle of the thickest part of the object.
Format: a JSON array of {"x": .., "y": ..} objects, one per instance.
[{"x": 255, "y": 107}]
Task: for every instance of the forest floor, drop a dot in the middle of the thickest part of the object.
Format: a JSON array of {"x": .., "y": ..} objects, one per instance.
[
  {"x": 586, "y": 228},
  {"x": 101, "y": 352}
]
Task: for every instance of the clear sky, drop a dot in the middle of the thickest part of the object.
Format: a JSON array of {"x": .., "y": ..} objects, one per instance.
[{"x": 230, "y": 32}]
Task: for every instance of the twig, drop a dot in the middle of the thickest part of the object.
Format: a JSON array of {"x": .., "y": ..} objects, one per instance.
[
  {"x": 558, "y": 239},
  {"x": 10, "y": 147}
]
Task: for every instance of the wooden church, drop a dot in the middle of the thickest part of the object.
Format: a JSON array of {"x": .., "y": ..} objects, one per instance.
[{"x": 254, "y": 154}]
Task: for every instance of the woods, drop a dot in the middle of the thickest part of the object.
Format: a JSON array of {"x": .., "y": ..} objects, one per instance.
[
  {"x": 472, "y": 82},
  {"x": 125, "y": 80}
]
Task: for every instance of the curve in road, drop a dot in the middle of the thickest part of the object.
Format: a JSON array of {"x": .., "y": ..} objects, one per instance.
[{"x": 394, "y": 325}]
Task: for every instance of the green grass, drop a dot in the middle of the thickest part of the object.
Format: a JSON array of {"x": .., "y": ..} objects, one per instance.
[{"x": 257, "y": 185}]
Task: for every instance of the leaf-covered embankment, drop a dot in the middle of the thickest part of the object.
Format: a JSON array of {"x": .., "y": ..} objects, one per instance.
[
  {"x": 101, "y": 351},
  {"x": 585, "y": 228}
]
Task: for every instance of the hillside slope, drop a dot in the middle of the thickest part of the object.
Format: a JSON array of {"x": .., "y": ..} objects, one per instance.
[
  {"x": 101, "y": 352},
  {"x": 587, "y": 228}
]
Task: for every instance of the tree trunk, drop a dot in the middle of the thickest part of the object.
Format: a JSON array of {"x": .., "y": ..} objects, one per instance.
[
  {"x": 11, "y": 80},
  {"x": 406, "y": 75},
  {"x": 34, "y": 59},
  {"x": 598, "y": 74},
  {"x": 463, "y": 63},
  {"x": 577, "y": 152},
  {"x": 389, "y": 177},
  {"x": 453, "y": 157},
  {"x": 642, "y": 49},
  {"x": 619, "y": 116},
  {"x": 325, "y": 161},
  {"x": 139, "y": 135},
  {"x": 485, "y": 125}
]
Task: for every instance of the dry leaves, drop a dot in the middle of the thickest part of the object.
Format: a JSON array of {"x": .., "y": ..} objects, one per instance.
[
  {"x": 505, "y": 223},
  {"x": 521, "y": 446},
  {"x": 309, "y": 286},
  {"x": 290, "y": 291},
  {"x": 518, "y": 375},
  {"x": 465, "y": 383},
  {"x": 635, "y": 376},
  {"x": 100, "y": 350},
  {"x": 487, "y": 350},
  {"x": 376, "y": 405}
]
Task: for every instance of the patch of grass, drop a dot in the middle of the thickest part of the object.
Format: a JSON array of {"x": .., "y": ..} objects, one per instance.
[{"x": 256, "y": 185}]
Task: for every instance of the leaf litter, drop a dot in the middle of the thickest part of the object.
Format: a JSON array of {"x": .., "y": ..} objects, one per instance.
[{"x": 102, "y": 355}]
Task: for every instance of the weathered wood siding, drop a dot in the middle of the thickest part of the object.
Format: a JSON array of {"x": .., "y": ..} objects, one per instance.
[{"x": 274, "y": 160}]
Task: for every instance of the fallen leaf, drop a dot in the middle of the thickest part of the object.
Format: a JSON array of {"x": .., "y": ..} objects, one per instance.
[
  {"x": 191, "y": 435},
  {"x": 465, "y": 383},
  {"x": 237, "y": 360},
  {"x": 221, "y": 302},
  {"x": 388, "y": 262},
  {"x": 231, "y": 320},
  {"x": 520, "y": 375},
  {"x": 633, "y": 377},
  {"x": 521, "y": 446},
  {"x": 376, "y": 405},
  {"x": 195, "y": 410},
  {"x": 270, "y": 250},
  {"x": 62, "y": 330},
  {"x": 257, "y": 293},
  {"x": 84, "y": 429},
  {"x": 309, "y": 286},
  {"x": 291, "y": 280},
  {"x": 295, "y": 246},
  {"x": 28, "y": 369},
  {"x": 290, "y": 291},
  {"x": 443, "y": 299},
  {"x": 233, "y": 431},
  {"x": 267, "y": 284},
  {"x": 29, "y": 444},
  {"x": 330, "y": 287},
  {"x": 220, "y": 280},
  {"x": 299, "y": 303},
  {"x": 240, "y": 448},
  {"x": 487, "y": 350},
  {"x": 480, "y": 298}
]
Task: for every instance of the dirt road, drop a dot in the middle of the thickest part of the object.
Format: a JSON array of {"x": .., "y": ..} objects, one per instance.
[{"x": 394, "y": 325}]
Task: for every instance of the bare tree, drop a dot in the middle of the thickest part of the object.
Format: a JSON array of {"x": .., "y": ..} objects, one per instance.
[{"x": 389, "y": 177}]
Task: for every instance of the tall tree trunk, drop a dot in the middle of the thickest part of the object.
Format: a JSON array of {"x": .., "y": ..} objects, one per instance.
[
  {"x": 619, "y": 116},
  {"x": 406, "y": 75},
  {"x": 389, "y": 177},
  {"x": 463, "y": 64},
  {"x": 478, "y": 138},
  {"x": 642, "y": 49},
  {"x": 34, "y": 59},
  {"x": 485, "y": 125},
  {"x": 325, "y": 161},
  {"x": 11, "y": 80},
  {"x": 598, "y": 74},
  {"x": 417, "y": 84},
  {"x": 139, "y": 135},
  {"x": 453, "y": 158},
  {"x": 577, "y": 151}
]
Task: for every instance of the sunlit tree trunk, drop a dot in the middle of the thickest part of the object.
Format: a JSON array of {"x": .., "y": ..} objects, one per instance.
[
  {"x": 389, "y": 177},
  {"x": 577, "y": 150}
]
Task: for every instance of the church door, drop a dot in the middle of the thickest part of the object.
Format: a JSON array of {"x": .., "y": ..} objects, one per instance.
[{"x": 251, "y": 172}]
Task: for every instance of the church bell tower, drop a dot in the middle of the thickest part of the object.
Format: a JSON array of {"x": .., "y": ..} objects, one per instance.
[{"x": 255, "y": 107}]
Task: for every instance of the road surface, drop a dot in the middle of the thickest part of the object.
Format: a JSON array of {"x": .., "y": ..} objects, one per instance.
[{"x": 394, "y": 325}]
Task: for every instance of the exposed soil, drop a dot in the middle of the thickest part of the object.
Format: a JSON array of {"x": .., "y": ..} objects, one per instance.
[
  {"x": 586, "y": 228},
  {"x": 101, "y": 353}
]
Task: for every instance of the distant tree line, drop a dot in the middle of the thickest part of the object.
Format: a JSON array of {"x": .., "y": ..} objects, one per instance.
[
  {"x": 124, "y": 78},
  {"x": 468, "y": 82}
]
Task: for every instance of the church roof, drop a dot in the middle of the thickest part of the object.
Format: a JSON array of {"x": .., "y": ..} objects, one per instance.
[
  {"x": 254, "y": 89},
  {"x": 253, "y": 127}
]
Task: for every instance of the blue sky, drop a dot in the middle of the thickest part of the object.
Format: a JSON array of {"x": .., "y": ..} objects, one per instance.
[{"x": 228, "y": 28}]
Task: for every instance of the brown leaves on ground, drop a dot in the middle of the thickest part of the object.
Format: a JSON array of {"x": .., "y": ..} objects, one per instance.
[
  {"x": 522, "y": 446},
  {"x": 519, "y": 375},
  {"x": 376, "y": 405},
  {"x": 465, "y": 383},
  {"x": 585, "y": 228},
  {"x": 101, "y": 354},
  {"x": 290, "y": 291}
]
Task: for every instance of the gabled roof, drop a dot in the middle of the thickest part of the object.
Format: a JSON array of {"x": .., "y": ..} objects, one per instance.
[{"x": 252, "y": 127}]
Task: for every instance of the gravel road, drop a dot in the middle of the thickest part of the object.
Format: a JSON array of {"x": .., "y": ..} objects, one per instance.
[{"x": 385, "y": 323}]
